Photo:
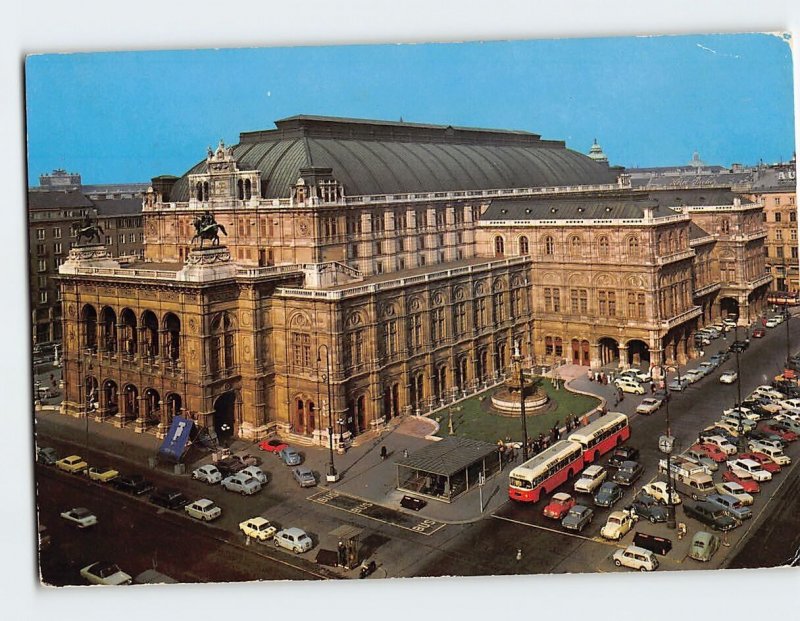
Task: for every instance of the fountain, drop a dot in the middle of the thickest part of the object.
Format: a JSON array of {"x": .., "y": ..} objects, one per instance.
[{"x": 507, "y": 400}]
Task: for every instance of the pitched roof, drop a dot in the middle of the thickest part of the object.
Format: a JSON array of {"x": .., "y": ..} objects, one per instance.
[
  {"x": 119, "y": 206},
  {"x": 593, "y": 207},
  {"x": 57, "y": 199},
  {"x": 449, "y": 456},
  {"x": 385, "y": 157},
  {"x": 696, "y": 197}
]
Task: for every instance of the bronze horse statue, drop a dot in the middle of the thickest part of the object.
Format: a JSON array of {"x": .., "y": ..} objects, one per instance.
[
  {"x": 207, "y": 228},
  {"x": 89, "y": 230}
]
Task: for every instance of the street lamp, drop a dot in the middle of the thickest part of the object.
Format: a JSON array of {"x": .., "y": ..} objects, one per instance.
[
  {"x": 332, "y": 476},
  {"x": 665, "y": 445},
  {"x": 517, "y": 359},
  {"x": 740, "y": 439}
]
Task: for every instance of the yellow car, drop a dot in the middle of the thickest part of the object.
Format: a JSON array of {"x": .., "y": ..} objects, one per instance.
[
  {"x": 73, "y": 464},
  {"x": 103, "y": 475},
  {"x": 258, "y": 528}
]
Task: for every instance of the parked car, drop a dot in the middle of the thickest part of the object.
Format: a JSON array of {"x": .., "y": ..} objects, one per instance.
[
  {"x": 745, "y": 480},
  {"x": 767, "y": 391},
  {"x": 728, "y": 377},
  {"x": 711, "y": 515},
  {"x": 704, "y": 546},
  {"x": 635, "y": 558},
  {"x": 706, "y": 367},
  {"x": 558, "y": 506},
  {"x": 678, "y": 386},
  {"x": 789, "y": 423},
  {"x": 731, "y": 488},
  {"x": 203, "y": 509},
  {"x": 293, "y": 539},
  {"x": 590, "y": 479},
  {"x": 209, "y": 474},
  {"x": 577, "y": 518},
  {"x": 290, "y": 456},
  {"x": 645, "y": 506},
  {"x": 258, "y": 528},
  {"x": 751, "y": 467},
  {"x": 701, "y": 458},
  {"x": 739, "y": 346},
  {"x": 628, "y": 473},
  {"x": 103, "y": 572},
  {"x": 721, "y": 443},
  {"x": 772, "y": 322},
  {"x": 630, "y": 385},
  {"x": 759, "y": 333},
  {"x": 764, "y": 460},
  {"x": 760, "y": 440},
  {"x": 649, "y": 406},
  {"x": 134, "y": 484},
  {"x": 732, "y": 505},
  {"x": 46, "y": 455},
  {"x": 169, "y": 498},
  {"x": 658, "y": 490},
  {"x": 618, "y": 525},
  {"x": 243, "y": 484},
  {"x": 230, "y": 465},
  {"x": 742, "y": 412},
  {"x": 693, "y": 375},
  {"x": 248, "y": 459},
  {"x": 638, "y": 375},
  {"x": 608, "y": 494},
  {"x": 73, "y": 464},
  {"x": 622, "y": 454},
  {"x": 712, "y": 451},
  {"x": 257, "y": 473},
  {"x": 779, "y": 430},
  {"x": 80, "y": 516},
  {"x": 273, "y": 445},
  {"x": 304, "y": 476},
  {"x": 103, "y": 474}
]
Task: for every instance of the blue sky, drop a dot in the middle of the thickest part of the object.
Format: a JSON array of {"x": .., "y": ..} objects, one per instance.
[{"x": 650, "y": 101}]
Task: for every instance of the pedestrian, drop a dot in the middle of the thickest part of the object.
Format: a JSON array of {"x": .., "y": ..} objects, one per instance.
[
  {"x": 383, "y": 453},
  {"x": 616, "y": 401},
  {"x": 652, "y": 386},
  {"x": 589, "y": 374},
  {"x": 405, "y": 453}
]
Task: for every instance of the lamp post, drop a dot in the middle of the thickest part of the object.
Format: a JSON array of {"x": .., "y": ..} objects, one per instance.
[
  {"x": 517, "y": 359},
  {"x": 332, "y": 476},
  {"x": 740, "y": 439},
  {"x": 665, "y": 445}
]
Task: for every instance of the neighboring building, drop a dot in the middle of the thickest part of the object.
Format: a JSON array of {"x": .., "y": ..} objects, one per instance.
[
  {"x": 392, "y": 266},
  {"x": 776, "y": 187},
  {"x": 121, "y": 220},
  {"x": 60, "y": 179}
]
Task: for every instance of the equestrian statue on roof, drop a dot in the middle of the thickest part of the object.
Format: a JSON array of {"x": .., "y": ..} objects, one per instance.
[
  {"x": 207, "y": 228},
  {"x": 88, "y": 229}
]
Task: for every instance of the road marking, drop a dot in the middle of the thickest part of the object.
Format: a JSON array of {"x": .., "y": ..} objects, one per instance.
[{"x": 376, "y": 512}]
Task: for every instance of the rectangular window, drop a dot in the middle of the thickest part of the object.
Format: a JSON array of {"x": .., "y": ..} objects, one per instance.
[
  {"x": 584, "y": 301},
  {"x": 794, "y": 252},
  {"x": 792, "y": 216},
  {"x": 379, "y": 267},
  {"x": 548, "y": 345},
  {"x": 57, "y": 248},
  {"x": 390, "y": 337},
  {"x": 573, "y": 299},
  {"x": 793, "y": 234},
  {"x": 556, "y": 300},
  {"x": 43, "y": 297},
  {"x": 612, "y": 303},
  {"x": 602, "y": 302},
  {"x": 40, "y": 249},
  {"x": 378, "y": 247},
  {"x": 461, "y": 318},
  {"x": 57, "y": 233},
  {"x": 779, "y": 251},
  {"x": 122, "y": 238},
  {"x": 421, "y": 242},
  {"x": 419, "y": 219},
  {"x": 354, "y": 251},
  {"x": 377, "y": 222},
  {"x": 777, "y": 216},
  {"x": 42, "y": 265},
  {"x": 41, "y": 234},
  {"x": 631, "y": 305},
  {"x": 548, "y": 299},
  {"x": 301, "y": 350},
  {"x": 779, "y": 235},
  {"x": 415, "y": 331},
  {"x": 42, "y": 282}
]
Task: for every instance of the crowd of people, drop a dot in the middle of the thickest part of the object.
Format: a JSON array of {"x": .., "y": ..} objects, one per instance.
[{"x": 509, "y": 451}]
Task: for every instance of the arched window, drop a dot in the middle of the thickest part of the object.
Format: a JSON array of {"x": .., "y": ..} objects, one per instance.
[
  {"x": 89, "y": 318},
  {"x": 499, "y": 246},
  {"x": 205, "y": 190},
  {"x": 725, "y": 226},
  {"x": 682, "y": 240},
  {"x": 523, "y": 245},
  {"x": 222, "y": 345},
  {"x": 172, "y": 336},
  {"x": 672, "y": 241},
  {"x": 602, "y": 245},
  {"x": 108, "y": 320},
  {"x": 149, "y": 346},
  {"x": 240, "y": 189},
  {"x": 633, "y": 246},
  {"x": 549, "y": 246},
  {"x": 575, "y": 246},
  {"x": 199, "y": 191},
  {"x": 248, "y": 189}
]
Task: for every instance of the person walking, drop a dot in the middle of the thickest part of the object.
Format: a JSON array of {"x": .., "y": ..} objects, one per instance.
[{"x": 383, "y": 453}]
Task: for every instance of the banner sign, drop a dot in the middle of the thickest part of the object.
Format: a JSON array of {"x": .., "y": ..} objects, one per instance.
[{"x": 175, "y": 441}]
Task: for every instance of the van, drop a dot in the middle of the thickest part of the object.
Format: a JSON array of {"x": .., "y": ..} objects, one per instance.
[
  {"x": 704, "y": 545},
  {"x": 636, "y": 558},
  {"x": 733, "y": 506},
  {"x": 697, "y": 486}
]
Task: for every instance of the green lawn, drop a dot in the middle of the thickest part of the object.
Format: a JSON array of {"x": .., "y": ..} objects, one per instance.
[{"x": 474, "y": 418}]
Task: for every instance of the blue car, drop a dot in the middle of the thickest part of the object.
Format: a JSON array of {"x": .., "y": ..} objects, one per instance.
[{"x": 290, "y": 456}]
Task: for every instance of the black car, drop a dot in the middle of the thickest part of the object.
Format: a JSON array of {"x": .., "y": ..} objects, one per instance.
[
  {"x": 230, "y": 465},
  {"x": 168, "y": 498},
  {"x": 645, "y": 506},
  {"x": 132, "y": 483},
  {"x": 628, "y": 473},
  {"x": 739, "y": 346},
  {"x": 608, "y": 494},
  {"x": 713, "y": 515},
  {"x": 621, "y": 454}
]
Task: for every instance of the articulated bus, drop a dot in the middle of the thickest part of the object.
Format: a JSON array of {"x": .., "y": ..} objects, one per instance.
[
  {"x": 545, "y": 471},
  {"x": 599, "y": 437}
]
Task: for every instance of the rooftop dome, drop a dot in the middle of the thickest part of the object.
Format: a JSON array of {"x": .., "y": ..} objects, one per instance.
[
  {"x": 596, "y": 153},
  {"x": 386, "y": 157}
]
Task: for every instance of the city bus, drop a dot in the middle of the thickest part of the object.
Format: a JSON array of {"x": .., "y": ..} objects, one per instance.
[
  {"x": 545, "y": 471},
  {"x": 599, "y": 437}
]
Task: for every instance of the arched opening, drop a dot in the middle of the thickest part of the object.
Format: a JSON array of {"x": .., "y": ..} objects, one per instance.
[
  {"x": 304, "y": 416},
  {"x": 152, "y": 405},
  {"x": 198, "y": 194},
  {"x": 417, "y": 390},
  {"x": 609, "y": 351},
  {"x": 461, "y": 373},
  {"x": 89, "y": 319},
  {"x": 92, "y": 398},
  {"x": 729, "y": 307},
  {"x": 172, "y": 336},
  {"x": 440, "y": 383},
  {"x": 130, "y": 396},
  {"x": 149, "y": 335},
  {"x": 361, "y": 412},
  {"x": 224, "y": 409},
  {"x": 576, "y": 351},
  {"x": 173, "y": 404},
  {"x": 638, "y": 353},
  {"x": 108, "y": 323},
  {"x": 499, "y": 246},
  {"x": 549, "y": 246},
  {"x": 391, "y": 401},
  {"x": 248, "y": 189},
  {"x": 110, "y": 402},
  {"x": 523, "y": 245},
  {"x": 128, "y": 332},
  {"x": 585, "y": 353},
  {"x": 240, "y": 189},
  {"x": 222, "y": 349}
]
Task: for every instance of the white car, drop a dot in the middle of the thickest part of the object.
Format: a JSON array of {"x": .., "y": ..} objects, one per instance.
[
  {"x": 753, "y": 468},
  {"x": 590, "y": 479},
  {"x": 203, "y": 509},
  {"x": 759, "y": 445},
  {"x": 106, "y": 573},
  {"x": 706, "y": 367},
  {"x": 658, "y": 490},
  {"x": 618, "y": 525},
  {"x": 258, "y": 528},
  {"x": 767, "y": 391},
  {"x": 639, "y": 376},
  {"x": 241, "y": 483},
  {"x": 626, "y": 384},
  {"x": 728, "y": 377},
  {"x": 733, "y": 424},
  {"x": 772, "y": 322},
  {"x": 257, "y": 473},
  {"x": 81, "y": 516},
  {"x": 294, "y": 539},
  {"x": 790, "y": 404},
  {"x": 649, "y": 406},
  {"x": 693, "y": 375},
  {"x": 208, "y": 473},
  {"x": 635, "y": 558},
  {"x": 731, "y": 488},
  {"x": 721, "y": 443}
]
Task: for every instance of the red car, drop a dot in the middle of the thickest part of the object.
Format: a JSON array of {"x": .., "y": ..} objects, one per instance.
[
  {"x": 711, "y": 451},
  {"x": 759, "y": 333},
  {"x": 559, "y": 505},
  {"x": 763, "y": 460},
  {"x": 272, "y": 446},
  {"x": 749, "y": 485},
  {"x": 783, "y": 434}
]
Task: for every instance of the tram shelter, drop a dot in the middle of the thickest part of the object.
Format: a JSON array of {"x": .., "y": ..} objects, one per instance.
[{"x": 444, "y": 470}]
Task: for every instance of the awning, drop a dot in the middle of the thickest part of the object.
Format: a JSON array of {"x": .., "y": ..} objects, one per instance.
[
  {"x": 175, "y": 441},
  {"x": 448, "y": 456}
]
